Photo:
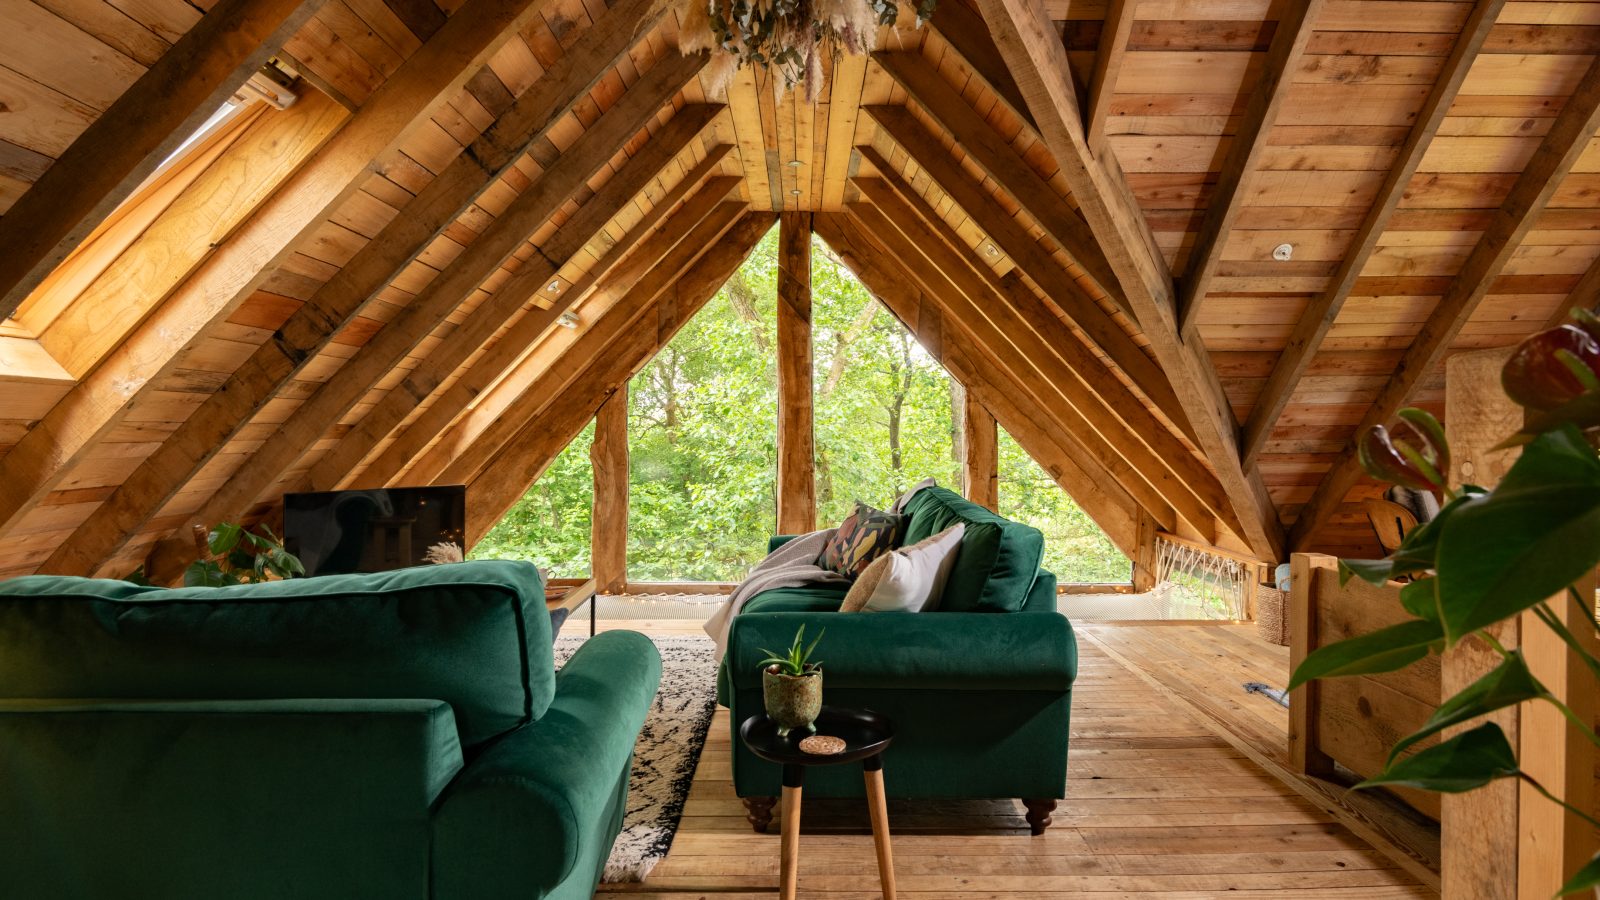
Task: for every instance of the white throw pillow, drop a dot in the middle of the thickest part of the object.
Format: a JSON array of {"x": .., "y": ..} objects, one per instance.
[{"x": 916, "y": 575}]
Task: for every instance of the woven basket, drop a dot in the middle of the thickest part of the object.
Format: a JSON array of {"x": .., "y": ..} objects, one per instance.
[{"x": 1272, "y": 615}]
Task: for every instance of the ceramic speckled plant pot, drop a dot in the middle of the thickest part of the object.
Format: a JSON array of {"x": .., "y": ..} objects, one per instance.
[{"x": 793, "y": 701}]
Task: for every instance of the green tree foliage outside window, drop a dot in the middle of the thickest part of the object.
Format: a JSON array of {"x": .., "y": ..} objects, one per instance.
[
  {"x": 1075, "y": 548},
  {"x": 702, "y": 435}
]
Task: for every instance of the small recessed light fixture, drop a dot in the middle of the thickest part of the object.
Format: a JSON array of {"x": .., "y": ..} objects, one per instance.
[
  {"x": 795, "y": 162},
  {"x": 1283, "y": 252},
  {"x": 554, "y": 286},
  {"x": 567, "y": 319},
  {"x": 991, "y": 249},
  {"x": 795, "y": 192}
]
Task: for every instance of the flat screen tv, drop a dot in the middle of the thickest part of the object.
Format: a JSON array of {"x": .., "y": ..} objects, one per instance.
[{"x": 371, "y": 531}]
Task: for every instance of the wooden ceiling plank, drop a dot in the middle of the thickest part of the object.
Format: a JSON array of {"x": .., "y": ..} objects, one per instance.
[
  {"x": 429, "y": 308},
  {"x": 295, "y": 344},
  {"x": 509, "y": 350},
  {"x": 1289, "y": 40},
  {"x": 1558, "y": 152},
  {"x": 1313, "y": 325},
  {"x": 666, "y": 254},
  {"x": 291, "y": 216},
  {"x": 981, "y": 143},
  {"x": 1108, "y": 61},
  {"x": 961, "y": 26},
  {"x": 1058, "y": 392},
  {"x": 461, "y": 342},
  {"x": 1012, "y": 239},
  {"x": 1037, "y": 59},
  {"x": 151, "y": 119},
  {"x": 674, "y": 299},
  {"x": 1585, "y": 294},
  {"x": 1080, "y": 474}
]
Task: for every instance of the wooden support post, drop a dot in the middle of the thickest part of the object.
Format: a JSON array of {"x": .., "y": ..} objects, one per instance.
[
  {"x": 980, "y": 464},
  {"x": 797, "y": 495},
  {"x": 608, "y": 543},
  {"x": 1305, "y": 751},
  {"x": 1144, "y": 559}
]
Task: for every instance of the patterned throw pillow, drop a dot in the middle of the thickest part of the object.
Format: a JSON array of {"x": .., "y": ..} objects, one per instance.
[{"x": 863, "y": 536}]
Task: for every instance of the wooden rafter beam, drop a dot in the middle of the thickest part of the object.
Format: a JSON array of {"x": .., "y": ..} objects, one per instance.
[
  {"x": 542, "y": 437},
  {"x": 256, "y": 247},
  {"x": 442, "y": 296},
  {"x": 448, "y": 463},
  {"x": 1288, "y": 45},
  {"x": 1585, "y": 294},
  {"x": 1078, "y": 473},
  {"x": 1313, "y": 324},
  {"x": 1108, "y": 60},
  {"x": 469, "y": 443},
  {"x": 1012, "y": 239},
  {"x": 273, "y": 366},
  {"x": 963, "y": 28},
  {"x": 1042, "y": 357},
  {"x": 1566, "y": 141},
  {"x": 415, "y": 437},
  {"x": 1036, "y": 57},
  {"x": 458, "y": 343},
  {"x": 172, "y": 99},
  {"x": 996, "y": 157}
]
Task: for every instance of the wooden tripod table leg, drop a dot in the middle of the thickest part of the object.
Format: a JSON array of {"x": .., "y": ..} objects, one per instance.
[
  {"x": 790, "y": 858},
  {"x": 878, "y": 807}
]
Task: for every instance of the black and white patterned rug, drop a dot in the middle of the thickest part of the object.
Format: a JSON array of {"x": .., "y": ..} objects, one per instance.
[{"x": 665, "y": 756}]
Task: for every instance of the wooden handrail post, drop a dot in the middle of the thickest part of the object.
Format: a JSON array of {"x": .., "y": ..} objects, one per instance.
[
  {"x": 797, "y": 496},
  {"x": 609, "y": 526}
]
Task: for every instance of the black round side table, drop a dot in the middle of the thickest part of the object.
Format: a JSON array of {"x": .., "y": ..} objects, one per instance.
[{"x": 866, "y": 735}]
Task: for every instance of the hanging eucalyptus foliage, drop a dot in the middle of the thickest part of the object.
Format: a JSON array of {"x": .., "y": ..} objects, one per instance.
[{"x": 788, "y": 38}]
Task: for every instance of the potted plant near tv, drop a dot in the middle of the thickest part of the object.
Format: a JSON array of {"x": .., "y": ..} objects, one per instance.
[
  {"x": 1486, "y": 557},
  {"x": 791, "y": 685}
]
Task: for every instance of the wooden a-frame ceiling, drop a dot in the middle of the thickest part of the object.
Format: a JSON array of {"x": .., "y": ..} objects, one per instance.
[{"x": 1073, "y": 204}]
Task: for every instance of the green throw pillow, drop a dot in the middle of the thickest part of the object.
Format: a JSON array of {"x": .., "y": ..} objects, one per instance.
[{"x": 863, "y": 536}]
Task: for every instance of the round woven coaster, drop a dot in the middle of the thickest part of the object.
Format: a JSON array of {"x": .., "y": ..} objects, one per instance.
[{"x": 822, "y": 745}]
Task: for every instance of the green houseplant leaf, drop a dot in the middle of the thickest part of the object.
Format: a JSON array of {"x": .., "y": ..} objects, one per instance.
[
  {"x": 1465, "y": 762},
  {"x": 1508, "y": 684},
  {"x": 1538, "y": 532},
  {"x": 1384, "y": 650},
  {"x": 224, "y": 538},
  {"x": 1585, "y": 878}
]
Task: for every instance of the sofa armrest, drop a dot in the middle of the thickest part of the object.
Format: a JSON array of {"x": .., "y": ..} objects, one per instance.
[
  {"x": 916, "y": 651},
  {"x": 246, "y": 797},
  {"x": 778, "y": 540},
  {"x": 544, "y": 803}
]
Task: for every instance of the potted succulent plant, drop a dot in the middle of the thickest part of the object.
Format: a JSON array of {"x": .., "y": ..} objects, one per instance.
[{"x": 791, "y": 685}]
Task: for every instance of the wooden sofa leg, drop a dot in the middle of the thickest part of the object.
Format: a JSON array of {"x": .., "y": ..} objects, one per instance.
[
  {"x": 1039, "y": 813},
  {"x": 758, "y": 810}
]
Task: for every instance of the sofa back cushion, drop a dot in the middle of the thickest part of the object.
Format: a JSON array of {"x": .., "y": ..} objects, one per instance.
[
  {"x": 998, "y": 560},
  {"x": 473, "y": 634}
]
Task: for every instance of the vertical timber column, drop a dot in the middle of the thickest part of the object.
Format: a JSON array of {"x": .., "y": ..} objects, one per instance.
[
  {"x": 980, "y": 464},
  {"x": 1144, "y": 562},
  {"x": 797, "y": 495},
  {"x": 608, "y": 542}
]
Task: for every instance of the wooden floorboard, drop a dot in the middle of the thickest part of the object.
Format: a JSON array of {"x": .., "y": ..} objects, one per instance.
[{"x": 1158, "y": 804}]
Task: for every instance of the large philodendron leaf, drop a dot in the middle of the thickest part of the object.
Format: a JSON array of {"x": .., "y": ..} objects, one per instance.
[
  {"x": 1384, "y": 650},
  {"x": 1466, "y": 762},
  {"x": 1534, "y": 535},
  {"x": 1509, "y": 684}
]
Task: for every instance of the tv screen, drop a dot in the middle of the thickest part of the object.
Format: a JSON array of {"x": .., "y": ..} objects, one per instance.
[{"x": 371, "y": 531}]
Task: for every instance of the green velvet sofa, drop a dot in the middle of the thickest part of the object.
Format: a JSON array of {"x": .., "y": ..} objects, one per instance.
[
  {"x": 400, "y": 735},
  {"x": 980, "y": 690}
]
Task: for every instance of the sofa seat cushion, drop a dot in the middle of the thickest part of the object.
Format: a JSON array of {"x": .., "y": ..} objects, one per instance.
[
  {"x": 998, "y": 560},
  {"x": 473, "y": 634},
  {"x": 820, "y": 598}
]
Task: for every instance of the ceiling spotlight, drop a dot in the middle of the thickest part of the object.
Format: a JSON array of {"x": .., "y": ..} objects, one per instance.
[
  {"x": 567, "y": 319},
  {"x": 991, "y": 250},
  {"x": 795, "y": 162},
  {"x": 795, "y": 192},
  {"x": 554, "y": 286},
  {"x": 1283, "y": 252}
]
